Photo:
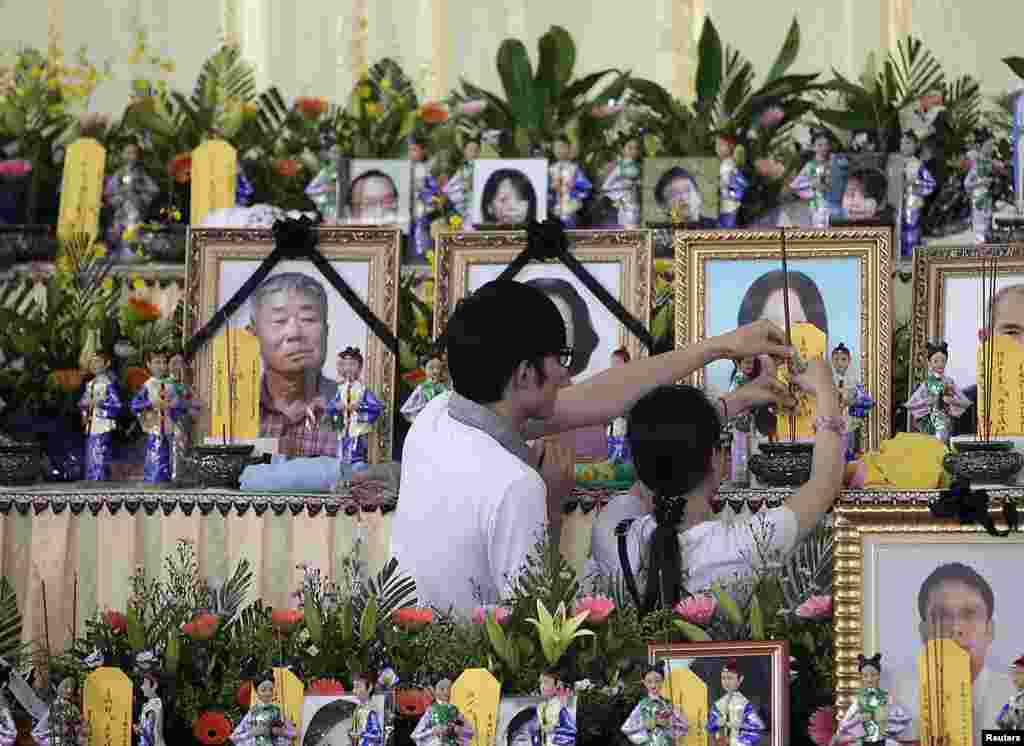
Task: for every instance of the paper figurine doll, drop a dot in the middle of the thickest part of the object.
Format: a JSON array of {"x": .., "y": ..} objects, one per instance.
[
  {"x": 655, "y": 721},
  {"x": 130, "y": 192},
  {"x": 459, "y": 188},
  {"x": 265, "y": 724},
  {"x": 433, "y": 366},
  {"x": 189, "y": 410},
  {"x": 366, "y": 728},
  {"x": 732, "y": 184},
  {"x": 158, "y": 407},
  {"x": 937, "y": 401},
  {"x": 733, "y": 720},
  {"x": 742, "y": 427},
  {"x": 354, "y": 410},
  {"x": 815, "y": 181},
  {"x": 442, "y": 724},
  {"x": 569, "y": 186},
  {"x": 873, "y": 717},
  {"x": 618, "y": 444},
  {"x": 854, "y": 398},
  {"x": 63, "y": 724},
  {"x": 918, "y": 183},
  {"x": 978, "y": 182},
  {"x": 424, "y": 191},
  {"x": 8, "y": 730},
  {"x": 150, "y": 728},
  {"x": 622, "y": 184},
  {"x": 554, "y": 724},
  {"x": 100, "y": 406},
  {"x": 1011, "y": 717},
  {"x": 323, "y": 189}
]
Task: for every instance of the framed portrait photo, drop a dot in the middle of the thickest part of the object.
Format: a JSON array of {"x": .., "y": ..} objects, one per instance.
[
  {"x": 748, "y": 679},
  {"x": 838, "y": 281},
  {"x": 681, "y": 190},
  {"x": 949, "y": 306},
  {"x": 378, "y": 192},
  {"x": 903, "y": 577},
  {"x": 620, "y": 260},
  {"x": 305, "y": 343},
  {"x": 867, "y": 193},
  {"x": 510, "y": 191}
]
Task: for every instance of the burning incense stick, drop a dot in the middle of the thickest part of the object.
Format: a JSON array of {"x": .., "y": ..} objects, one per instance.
[{"x": 789, "y": 333}]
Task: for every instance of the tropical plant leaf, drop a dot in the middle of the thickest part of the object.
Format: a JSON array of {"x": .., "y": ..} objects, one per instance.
[
  {"x": 272, "y": 112},
  {"x": 692, "y": 631},
  {"x": 523, "y": 94},
  {"x": 709, "y": 66},
  {"x": 11, "y": 646},
  {"x": 808, "y": 571},
  {"x": 392, "y": 589},
  {"x": 233, "y": 593},
  {"x": 787, "y": 55},
  {"x": 847, "y": 119},
  {"x": 556, "y": 59},
  {"x": 1016, "y": 64},
  {"x": 912, "y": 72},
  {"x": 739, "y": 77},
  {"x": 388, "y": 69}
]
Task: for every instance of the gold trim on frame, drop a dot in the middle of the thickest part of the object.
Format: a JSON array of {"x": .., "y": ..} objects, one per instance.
[
  {"x": 873, "y": 246},
  {"x": 632, "y": 249},
  {"x": 380, "y": 247},
  {"x": 932, "y": 267},
  {"x": 881, "y": 513}
]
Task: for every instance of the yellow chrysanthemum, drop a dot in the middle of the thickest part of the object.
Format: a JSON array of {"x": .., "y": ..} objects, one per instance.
[
  {"x": 36, "y": 72},
  {"x": 455, "y": 222},
  {"x": 99, "y": 251},
  {"x": 385, "y": 84},
  {"x": 108, "y": 284},
  {"x": 131, "y": 233},
  {"x": 421, "y": 326},
  {"x": 373, "y": 109},
  {"x": 365, "y": 92},
  {"x": 138, "y": 283},
  {"x": 427, "y": 292},
  {"x": 64, "y": 264},
  {"x": 177, "y": 215}
]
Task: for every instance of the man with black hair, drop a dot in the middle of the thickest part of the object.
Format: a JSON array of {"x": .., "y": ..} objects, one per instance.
[
  {"x": 956, "y": 602},
  {"x": 373, "y": 198},
  {"x": 473, "y": 501}
]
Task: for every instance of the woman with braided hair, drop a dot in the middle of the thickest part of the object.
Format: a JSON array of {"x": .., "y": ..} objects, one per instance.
[{"x": 678, "y": 547}]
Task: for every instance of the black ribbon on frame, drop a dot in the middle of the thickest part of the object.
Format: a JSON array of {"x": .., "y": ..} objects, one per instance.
[
  {"x": 293, "y": 239},
  {"x": 971, "y": 506},
  {"x": 548, "y": 240}
]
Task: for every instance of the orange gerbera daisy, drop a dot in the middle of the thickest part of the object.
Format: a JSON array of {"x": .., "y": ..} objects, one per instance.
[
  {"x": 433, "y": 113},
  {"x": 289, "y": 168},
  {"x": 212, "y": 728},
  {"x": 285, "y": 619},
  {"x": 143, "y": 309},
  {"x": 311, "y": 107},
  {"x": 136, "y": 377},
  {"x": 116, "y": 620},
  {"x": 180, "y": 168},
  {"x": 326, "y": 688},
  {"x": 412, "y": 618}
]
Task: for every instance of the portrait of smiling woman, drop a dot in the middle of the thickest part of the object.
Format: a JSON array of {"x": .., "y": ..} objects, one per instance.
[{"x": 509, "y": 192}]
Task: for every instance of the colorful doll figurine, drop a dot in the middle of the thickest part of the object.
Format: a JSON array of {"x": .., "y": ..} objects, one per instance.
[
  {"x": 63, "y": 724},
  {"x": 937, "y": 400},
  {"x": 732, "y": 185},
  {"x": 622, "y": 184},
  {"x": 130, "y": 192},
  {"x": 814, "y": 182},
  {"x": 742, "y": 427},
  {"x": 618, "y": 445},
  {"x": 733, "y": 720},
  {"x": 354, "y": 410},
  {"x": 323, "y": 189},
  {"x": 158, "y": 407},
  {"x": 442, "y": 724},
  {"x": 655, "y": 721},
  {"x": 554, "y": 724},
  {"x": 366, "y": 728},
  {"x": 433, "y": 367},
  {"x": 424, "y": 192},
  {"x": 265, "y": 724},
  {"x": 8, "y": 730},
  {"x": 189, "y": 410},
  {"x": 459, "y": 188},
  {"x": 101, "y": 405},
  {"x": 872, "y": 717},
  {"x": 854, "y": 398},
  {"x": 918, "y": 183},
  {"x": 979, "y": 182},
  {"x": 569, "y": 185},
  {"x": 1011, "y": 717},
  {"x": 150, "y": 728}
]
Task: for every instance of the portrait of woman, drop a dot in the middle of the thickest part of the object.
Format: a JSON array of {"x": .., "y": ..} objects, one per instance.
[
  {"x": 764, "y": 300},
  {"x": 864, "y": 199},
  {"x": 509, "y": 192},
  {"x": 580, "y": 331}
]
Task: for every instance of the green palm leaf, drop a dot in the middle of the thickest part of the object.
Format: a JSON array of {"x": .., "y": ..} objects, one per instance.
[
  {"x": 1016, "y": 64},
  {"x": 912, "y": 72},
  {"x": 787, "y": 55},
  {"x": 709, "y": 67},
  {"x": 392, "y": 589},
  {"x": 388, "y": 69},
  {"x": 11, "y": 646}
]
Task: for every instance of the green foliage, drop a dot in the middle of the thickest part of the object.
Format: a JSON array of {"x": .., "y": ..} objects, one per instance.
[
  {"x": 11, "y": 647},
  {"x": 1016, "y": 64}
]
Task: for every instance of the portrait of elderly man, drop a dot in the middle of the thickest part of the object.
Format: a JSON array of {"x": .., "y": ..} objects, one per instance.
[
  {"x": 373, "y": 199},
  {"x": 289, "y": 317}
]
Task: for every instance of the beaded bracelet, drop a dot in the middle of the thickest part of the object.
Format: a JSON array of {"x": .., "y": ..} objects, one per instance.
[{"x": 836, "y": 425}]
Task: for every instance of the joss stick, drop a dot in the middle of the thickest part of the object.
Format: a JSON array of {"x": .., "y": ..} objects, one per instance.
[
  {"x": 46, "y": 621},
  {"x": 789, "y": 332},
  {"x": 231, "y": 390},
  {"x": 74, "y": 608}
]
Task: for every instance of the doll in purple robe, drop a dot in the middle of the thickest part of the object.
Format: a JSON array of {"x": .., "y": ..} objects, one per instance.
[
  {"x": 569, "y": 186},
  {"x": 158, "y": 407},
  {"x": 424, "y": 191},
  {"x": 918, "y": 183},
  {"x": 733, "y": 720},
  {"x": 554, "y": 723},
  {"x": 853, "y": 398},
  {"x": 814, "y": 183},
  {"x": 100, "y": 405},
  {"x": 937, "y": 401},
  {"x": 8, "y": 730},
  {"x": 732, "y": 184},
  {"x": 459, "y": 188},
  {"x": 442, "y": 724},
  {"x": 655, "y": 721},
  {"x": 354, "y": 410},
  {"x": 265, "y": 724},
  {"x": 366, "y": 728},
  {"x": 618, "y": 445},
  {"x": 189, "y": 410},
  {"x": 742, "y": 427}
]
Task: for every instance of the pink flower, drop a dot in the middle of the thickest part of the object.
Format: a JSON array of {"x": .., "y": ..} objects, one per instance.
[
  {"x": 772, "y": 116},
  {"x": 501, "y": 614},
  {"x": 15, "y": 168},
  {"x": 606, "y": 110},
  {"x": 472, "y": 108},
  {"x": 598, "y": 606},
  {"x": 816, "y": 607},
  {"x": 927, "y": 102},
  {"x": 697, "y": 609},
  {"x": 822, "y": 726}
]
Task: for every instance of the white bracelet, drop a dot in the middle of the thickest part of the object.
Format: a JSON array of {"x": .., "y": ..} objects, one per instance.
[{"x": 836, "y": 425}]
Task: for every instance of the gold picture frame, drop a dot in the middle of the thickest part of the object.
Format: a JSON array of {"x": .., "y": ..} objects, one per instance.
[
  {"x": 937, "y": 272},
  {"x": 459, "y": 254},
  {"x": 211, "y": 250},
  {"x": 745, "y": 255},
  {"x": 886, "y": 545}
]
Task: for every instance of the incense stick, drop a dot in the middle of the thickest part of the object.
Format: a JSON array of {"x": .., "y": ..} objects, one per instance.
[
  {"x": 74, "y": 609},
  {"x": 46, "y": 621},
  {"x": 231, "y": 388},
  {"x": 789, "y": 331}
]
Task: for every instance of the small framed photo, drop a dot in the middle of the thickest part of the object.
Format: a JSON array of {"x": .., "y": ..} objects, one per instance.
[
  {"x": 867, "y": 196},
  {"x": 378, "y": 192},
  {"x": 509, "y": 192},
  {"x": 681, "y": 190},
  {"x": 722, "y": 682}
]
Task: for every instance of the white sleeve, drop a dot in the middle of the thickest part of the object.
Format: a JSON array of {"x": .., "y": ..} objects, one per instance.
[{"x": 514, "y": 528}]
